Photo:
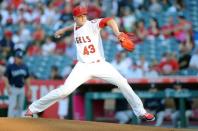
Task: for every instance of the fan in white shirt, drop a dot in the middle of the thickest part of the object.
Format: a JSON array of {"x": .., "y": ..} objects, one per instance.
[{"x": 48, "y": 47}]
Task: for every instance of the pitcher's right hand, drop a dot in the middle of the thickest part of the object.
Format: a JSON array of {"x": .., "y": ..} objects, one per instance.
[{"x": 59, "y": 33}]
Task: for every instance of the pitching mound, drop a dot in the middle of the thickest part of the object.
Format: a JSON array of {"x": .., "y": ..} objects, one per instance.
[{"x": 31, "y": 124}]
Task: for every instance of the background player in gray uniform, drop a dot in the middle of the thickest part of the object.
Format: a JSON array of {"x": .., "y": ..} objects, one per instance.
[{"x": 16, "y": 76}]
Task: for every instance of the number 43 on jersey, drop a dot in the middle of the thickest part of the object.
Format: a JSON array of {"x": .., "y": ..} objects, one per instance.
[{"x": 89, "y": 49}]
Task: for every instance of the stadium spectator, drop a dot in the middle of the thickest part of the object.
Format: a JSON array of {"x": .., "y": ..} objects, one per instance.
[
  {"x": 106, "y": 5},
  {"x": 50, "y": 15},
  {"x": 154, "y": 7},
  {"x": 182, "y": 29},
  {"x": 128, "y": 19},
  {"x": 168, "y": 28},
  {"x": 34, "y": 49},
  {"x": 137, "y": 3},
  {"x": 94, "y": 10},
  {"x": 122, "y": 62},
  {"x": 48, "y": 47},
  {"x": 153, "y": 29},
  {"x": 8, "y": 17},
  {"x": 60, "y": 48},
  {"x": 19, "y": 44},
  {"x": 66, "y": 14},
  {"x": 6, "y": 44},
  {"x": 188, "y": 44},
  {"x": 166, "y": 4},
  {"x": 152, "y": 72},
  {"x": 143, "y": 64},
  {"x": 23, "y": 14},
  {"x": 135, "y": 72},
  {"x": 24, "y": 33},
  {"x": 180, "y": 6},
  {"x": 39, "y": 34},
  {"x": 169, "y": 66},
  {"x": 176, "y": 7},
  {"x": 141, "y": 30},
  {"x": 155, "y": 64},
  {"x": 55, "y": 74},
  {"x": 58, "y": 3},
  {"x": 175, "y": 116},
  {"x": 184, "y": 57},
  {"x": 122, "y": 4}
]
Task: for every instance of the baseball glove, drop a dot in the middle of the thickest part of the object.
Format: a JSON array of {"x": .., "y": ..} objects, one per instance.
[{"x": 126, "y": 42}]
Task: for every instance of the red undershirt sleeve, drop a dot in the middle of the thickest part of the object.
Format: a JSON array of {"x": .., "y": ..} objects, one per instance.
[{"x": 104, "y": 21}]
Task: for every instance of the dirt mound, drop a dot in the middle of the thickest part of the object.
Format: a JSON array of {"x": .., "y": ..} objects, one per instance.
[{"x": 32, "y": 124}]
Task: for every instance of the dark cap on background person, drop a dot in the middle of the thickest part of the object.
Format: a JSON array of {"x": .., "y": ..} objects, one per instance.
[{"x": 19, "y": 54}]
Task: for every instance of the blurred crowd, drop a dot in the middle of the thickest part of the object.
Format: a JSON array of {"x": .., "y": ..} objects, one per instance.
[{"x": 29, "y": 25}]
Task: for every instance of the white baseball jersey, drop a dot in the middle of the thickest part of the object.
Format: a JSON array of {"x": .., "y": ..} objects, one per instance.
[{"x": 88, "y": 42}]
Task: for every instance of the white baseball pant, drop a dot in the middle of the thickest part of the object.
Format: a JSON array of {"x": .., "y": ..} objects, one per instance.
[{"x": 83, "y": 72}]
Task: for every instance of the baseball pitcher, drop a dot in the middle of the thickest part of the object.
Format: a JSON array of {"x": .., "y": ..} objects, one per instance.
[{"x": 91, "y": 63}]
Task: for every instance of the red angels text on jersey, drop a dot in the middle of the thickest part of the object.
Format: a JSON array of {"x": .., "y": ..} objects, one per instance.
[{"x": 83, "y": 39}]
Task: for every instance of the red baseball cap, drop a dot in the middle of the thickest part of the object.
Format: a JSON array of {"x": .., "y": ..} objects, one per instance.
[
  {"x": 8, "y": 33},
  {"x": 79, "y": 10}
]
